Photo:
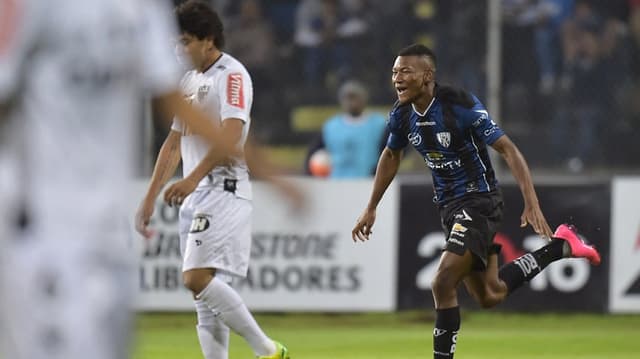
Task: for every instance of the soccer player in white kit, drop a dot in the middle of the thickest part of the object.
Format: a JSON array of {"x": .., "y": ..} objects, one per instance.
[
  {"x": 72, "y": 74},
  {"x": 215, "y": 193}
]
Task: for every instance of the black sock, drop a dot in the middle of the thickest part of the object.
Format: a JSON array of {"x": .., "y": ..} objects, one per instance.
[
  {"x": 445, "y": 333},
  {"x": 524, "y": 268}
]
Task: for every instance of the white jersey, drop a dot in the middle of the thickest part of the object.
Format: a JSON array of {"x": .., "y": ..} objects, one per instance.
[
  {"x": 77, "y": 71},
  {"x": 224, "y": 91}
]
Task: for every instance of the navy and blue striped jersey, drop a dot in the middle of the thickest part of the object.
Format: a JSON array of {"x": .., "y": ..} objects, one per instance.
[{"x": 452, "y": 137}]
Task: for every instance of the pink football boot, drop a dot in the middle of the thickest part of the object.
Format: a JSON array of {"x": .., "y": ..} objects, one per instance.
[{"x": 579, "y": 249}]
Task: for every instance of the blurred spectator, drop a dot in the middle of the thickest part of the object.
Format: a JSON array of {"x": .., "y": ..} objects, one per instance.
[
  {"x": 250, "y": 38},
  {"x": 551, "y": 15},
  {"x": 315, "y": 23},
  {"x": 281, "y": 14},
  {"x": 350, "y": 37},
  {"x": 329, "y": 33},
  {"x": 546, "y": 17},
  {"x": 584, "y": 89},
  {"x": 634, "y": 96},
  {"x": 354, "y": 138},
  {"x": 466, "y": 17}
]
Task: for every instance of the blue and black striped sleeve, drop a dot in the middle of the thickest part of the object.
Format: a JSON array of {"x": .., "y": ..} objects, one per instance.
[
  {"x": 478, "y": 119},
  {"x": 396, "y": 140}
]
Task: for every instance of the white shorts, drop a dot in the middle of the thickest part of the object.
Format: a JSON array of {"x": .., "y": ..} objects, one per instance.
[
  {"x": 215, "y": 232},
  {"x": 63, "y": 300}
]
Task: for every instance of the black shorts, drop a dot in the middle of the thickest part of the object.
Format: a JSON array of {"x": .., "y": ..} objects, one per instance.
[{"x": 470, "y": 223}]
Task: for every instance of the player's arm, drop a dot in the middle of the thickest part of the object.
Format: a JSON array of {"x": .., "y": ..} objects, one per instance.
[
  {"x": 532, "y": 213},
  {"x": 173, "y": 104},
  {"x": 166, "y": 164},
  {"x": 260, "y": 168},
  {"x": 387, "y": 169},
  {"x": 164, "y": 169},
  {"x": 177, "y": 192}
]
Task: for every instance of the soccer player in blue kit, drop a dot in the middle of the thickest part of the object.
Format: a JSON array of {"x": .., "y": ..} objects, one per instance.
[{"x": 451, "y": 129}]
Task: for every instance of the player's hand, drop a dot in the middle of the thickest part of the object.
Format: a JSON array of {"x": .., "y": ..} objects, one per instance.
[
  {"x": 362, "y": 230},
  {"x": 143, "y": 216},
  {"x": 177, "y": 192},
  {"x": 533, "y": 215}
]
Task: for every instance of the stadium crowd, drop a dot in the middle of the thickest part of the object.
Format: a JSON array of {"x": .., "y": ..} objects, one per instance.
[{"x": 570, "y": 69}]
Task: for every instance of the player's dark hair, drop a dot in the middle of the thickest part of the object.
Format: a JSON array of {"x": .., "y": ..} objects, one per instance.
[
  {"x": 197, "y": 18},
  {"x": 418, "y": 50}
]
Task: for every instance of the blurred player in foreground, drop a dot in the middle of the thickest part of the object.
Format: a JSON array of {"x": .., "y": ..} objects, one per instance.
[
  {"x": 215, "y": 193},
  {"x": 451, "y": 129},
  {"x": 72, "y": 76}
]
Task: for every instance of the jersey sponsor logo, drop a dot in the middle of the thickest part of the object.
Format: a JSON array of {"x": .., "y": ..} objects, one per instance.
[
  {"x": 444, "y": 138},
  {"x": 458, "y": 230},
  {"x": 456, "y": 241},
  {"x": 457, "y": 227},
  {"x": 490, "y": 131},
  {"x": 464, "y": 216},
  {"x": 425, "y": 123},
  {"x": 199, "y": 224},
  {"x": 483, "y": 116},
  {"x": 451, "y": 165},
  {"x": 414, "y": 138},
  {"x": 479, "y": 121},
  {"x": 235, "y": 90},
  {"x": 472, "y": 187}
]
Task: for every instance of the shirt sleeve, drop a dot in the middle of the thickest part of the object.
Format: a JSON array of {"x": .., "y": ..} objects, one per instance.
[
  {"x": 396, "y": 140},
  {"x": 478, "y": 119},
  {"x": 160, "y": 69},
  {"x": 235, "y": 95}
]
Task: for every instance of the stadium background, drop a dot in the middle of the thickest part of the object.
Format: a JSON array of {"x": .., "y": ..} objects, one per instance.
[{"x": 562, "y": 77}]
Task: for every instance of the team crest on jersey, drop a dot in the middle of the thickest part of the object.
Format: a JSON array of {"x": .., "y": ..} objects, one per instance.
[
  {"x": 203, "y": 91},
  {"x": 444, "y": 138}
]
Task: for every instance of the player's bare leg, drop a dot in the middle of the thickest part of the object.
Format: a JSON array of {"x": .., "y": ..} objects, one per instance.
[
  {"x": 452, "y": 269},
  {"x": 486, "y": 287},
  {"x": 492, "y": 286},
  {"x": 224, "y": 301}
]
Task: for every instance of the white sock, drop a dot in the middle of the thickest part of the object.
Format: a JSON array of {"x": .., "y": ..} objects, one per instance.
[
  {"x": 220, "y": 297},
  {"x": 213, "y": 334}
]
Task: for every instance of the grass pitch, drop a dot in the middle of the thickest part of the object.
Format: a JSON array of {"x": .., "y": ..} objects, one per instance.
[{"x": 483, "y": 335}]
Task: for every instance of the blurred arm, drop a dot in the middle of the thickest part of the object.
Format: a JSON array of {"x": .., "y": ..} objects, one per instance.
[
  {"x": 174, "y": 104},
  {"x": 231, "y": 130},
  {"x": 261, "y": 169}
]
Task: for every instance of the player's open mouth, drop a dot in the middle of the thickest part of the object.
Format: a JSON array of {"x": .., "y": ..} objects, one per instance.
[{"x": 401, "y": 90}]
